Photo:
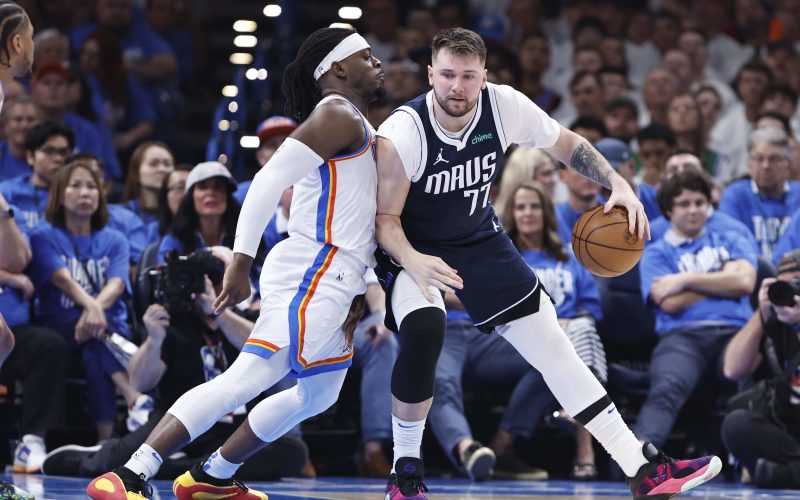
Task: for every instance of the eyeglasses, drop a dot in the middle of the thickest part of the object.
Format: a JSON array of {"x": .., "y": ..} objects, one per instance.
[
  {"x": 54, "y": 151},
  {"x": 771, "y": 160},
  {"x": 689, "y": 203}
]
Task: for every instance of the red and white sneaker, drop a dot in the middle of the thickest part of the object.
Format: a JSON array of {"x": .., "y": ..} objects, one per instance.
[
  {"x": 664, "y": 477},
  {"x": 407, "y": 483},
  {"x": 119, "y": 484}
]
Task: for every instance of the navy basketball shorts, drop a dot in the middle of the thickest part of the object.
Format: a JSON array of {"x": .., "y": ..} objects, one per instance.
[{"x": 499, "y": 286}]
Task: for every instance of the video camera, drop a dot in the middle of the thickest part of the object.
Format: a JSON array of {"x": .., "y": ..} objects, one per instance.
[
  {"x": 781, "y": 293},
  {"x": 172, "y": 284}
]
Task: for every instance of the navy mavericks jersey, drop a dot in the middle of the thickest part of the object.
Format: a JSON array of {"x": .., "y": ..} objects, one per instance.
[{"x": 449, "y": 203}]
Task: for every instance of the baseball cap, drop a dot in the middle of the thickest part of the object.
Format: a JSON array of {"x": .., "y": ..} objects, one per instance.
[
  {"x": 51, "y": 67},
  {"x": 275, "y": 125},
  {"x": 207, "y": 170},
  {"x": 614, "y": 150}
]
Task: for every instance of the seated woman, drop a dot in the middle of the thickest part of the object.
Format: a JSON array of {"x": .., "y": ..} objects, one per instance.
[
  {"x": 207, "y": 215},
  {"x": 170, "y": 196},
  {"x": 150, "y": 162},
  {"x": 80, "y": 269},
  {"x": 529, "y": 219}
]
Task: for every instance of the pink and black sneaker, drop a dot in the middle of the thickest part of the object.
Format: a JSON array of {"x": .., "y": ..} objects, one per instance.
[
  {"x": 664, "y": 477},
  {"x": 407, "y": 481}
]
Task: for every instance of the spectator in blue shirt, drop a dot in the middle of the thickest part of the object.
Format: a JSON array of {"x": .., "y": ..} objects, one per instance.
[
  {"x": 677, "y": 162},
  {"x": 147, "y": 56},
  {"x": 121, "y": 103},
  {"x": 655, "y": 143},
  {"x": 47, "y": 145},
  {"x": 581, "y": 196},
  {"x": 766, "y": 201},
  {"x": 207, "y": 214},
  {"x": 80, "y": 270},
  {"x": 18, "y": 116},
  {"x": 49, "y": 92},
  {"x": 168, "y": 19},
  {"x": 119, "y": 217},
  {"x": 699, "y": 281},
  {"x": 150, "y": 163}
]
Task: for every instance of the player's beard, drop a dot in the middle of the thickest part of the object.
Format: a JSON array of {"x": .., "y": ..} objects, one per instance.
[{"x": 445, "y": 105}]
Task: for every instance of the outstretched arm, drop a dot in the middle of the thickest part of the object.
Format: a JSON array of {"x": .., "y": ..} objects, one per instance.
[
  {"x": 393, "y": 186},
  {"x": 575, "y": 151}
]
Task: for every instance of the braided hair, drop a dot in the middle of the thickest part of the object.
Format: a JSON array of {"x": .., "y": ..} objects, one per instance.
[
  {"x": 12, "y": 17},
  {"x": 301, "y": 90}
]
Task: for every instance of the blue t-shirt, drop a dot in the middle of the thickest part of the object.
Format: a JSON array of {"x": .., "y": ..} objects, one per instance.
[
  {"x": 139, "y": 107},
  {"x": 91, "y": 261},
  {"x": 13, "y": 306},
  {"x": 138, "y": 41},
  {"x": 766, "y": 218},
  {"x": 30, "y": 200},
  {"x": 241, "y": 191},
  {"x": 717, "y": 221},
  {"x": 566, "y": 217},
  {"x": 96, "y": 139},
  {"x": 136, "y": 208},
  {"x": 569, "y": 284},
  {"x": 10, "y": 165},
  {"x": 706, "y": 254},
  {"x": 789, "y": 240},
  {"x": 647, "y": 195},
  {"x": 131, "y": 226}
]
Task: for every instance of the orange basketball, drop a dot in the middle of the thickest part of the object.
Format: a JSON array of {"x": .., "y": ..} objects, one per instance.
[{"x": 602, "y": 243}]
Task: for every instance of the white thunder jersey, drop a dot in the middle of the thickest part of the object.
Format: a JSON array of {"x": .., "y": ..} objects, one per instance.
[{"x": 336, "y": 203}]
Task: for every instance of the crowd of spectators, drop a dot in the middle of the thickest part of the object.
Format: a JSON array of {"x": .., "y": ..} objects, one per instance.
[{"x": 695, "y": 104}]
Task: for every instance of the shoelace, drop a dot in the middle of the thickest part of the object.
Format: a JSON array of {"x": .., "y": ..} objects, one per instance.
[{"x": 240, "y": 485}]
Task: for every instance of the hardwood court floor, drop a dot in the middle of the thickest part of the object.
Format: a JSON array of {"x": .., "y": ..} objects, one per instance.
[{"x": 330, "y": 488}]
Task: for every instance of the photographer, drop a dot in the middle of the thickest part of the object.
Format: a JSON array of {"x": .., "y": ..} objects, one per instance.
[
  {"x": 184, "y": 349},
  {"x": 764, "y": 430}
]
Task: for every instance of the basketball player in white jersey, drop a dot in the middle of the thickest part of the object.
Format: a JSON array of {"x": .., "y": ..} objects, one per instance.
[
  {"x": 308, "y": 281},
  {"x": 16, "y": 45},
  {"x": 436, "y": 164}
]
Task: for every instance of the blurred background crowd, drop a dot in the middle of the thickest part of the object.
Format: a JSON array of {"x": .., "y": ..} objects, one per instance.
[{"x": 122, "y": 170}]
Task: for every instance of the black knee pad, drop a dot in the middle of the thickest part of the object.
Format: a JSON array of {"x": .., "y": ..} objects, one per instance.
[{"x": 421, "y": 339}]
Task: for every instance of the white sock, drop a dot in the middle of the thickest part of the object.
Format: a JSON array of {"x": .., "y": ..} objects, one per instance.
[
  {"x": 407, "y": 438},
  {"x": 145, "y": 462},
  {"x": 216, "y": 466},
  {"x": 616, "y": 437}
]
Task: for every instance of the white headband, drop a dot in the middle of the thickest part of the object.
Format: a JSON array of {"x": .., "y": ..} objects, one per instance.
[{"x": 346, "y": 47}]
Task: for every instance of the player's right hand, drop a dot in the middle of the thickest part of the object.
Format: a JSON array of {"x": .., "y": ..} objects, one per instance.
[
  {"x": 428, "y": 271},
  {"x": 235, "y": 286}
]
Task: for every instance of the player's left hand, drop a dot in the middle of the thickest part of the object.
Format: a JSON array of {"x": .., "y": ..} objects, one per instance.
[
  {"x": 664, "y": 286},
  {"x": 622, "y": 195}
]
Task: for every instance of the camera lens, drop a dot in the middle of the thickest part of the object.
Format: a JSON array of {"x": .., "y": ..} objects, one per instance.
[{"x": 781, "y": 293}]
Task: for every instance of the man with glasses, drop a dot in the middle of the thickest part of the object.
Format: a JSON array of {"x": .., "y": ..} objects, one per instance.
[
  {"x": 698, "y": 279},
  {"x": 764, "y": 202},
  {"x": 47, "y": 145}
]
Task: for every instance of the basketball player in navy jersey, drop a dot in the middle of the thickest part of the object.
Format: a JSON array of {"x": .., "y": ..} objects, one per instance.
[{"x": 436, "y": 163}]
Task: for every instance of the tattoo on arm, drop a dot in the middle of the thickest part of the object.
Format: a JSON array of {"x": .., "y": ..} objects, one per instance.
[{"x": 585, "y": 160}]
